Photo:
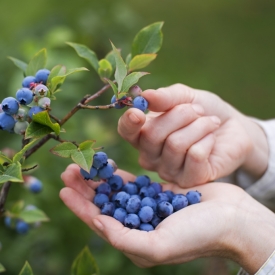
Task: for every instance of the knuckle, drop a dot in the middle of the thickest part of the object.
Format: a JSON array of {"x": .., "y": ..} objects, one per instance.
[
  {"x": 174, "y": 144},
  {"x": 197, "y": 153}
]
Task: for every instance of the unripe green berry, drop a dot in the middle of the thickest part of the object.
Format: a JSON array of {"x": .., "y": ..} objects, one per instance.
[
  {"x": 20, "y": 127},
  {"x": 44, "y": 102},
  {"x": 41, "y": 90},
  {"x": 22, "y": 113},
  {"x": 135, "y": 91}
]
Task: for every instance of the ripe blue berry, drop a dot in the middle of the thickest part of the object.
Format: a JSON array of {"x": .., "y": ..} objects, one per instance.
[
  {"x": 34, "y": 184},
  {"x": 146, "y": 227},
  {"x": 88, "y": 176},
  {"x": 132, "y": 221},
  {"x": 24, "y": 96},
  {"x": 148, "y": 201},
  {"x": 108, "y": 208},
  {"x": 133, "y": 205},
  {"x": 146, "y": 214},
  {"x": 170, "y": 195},
  {"x": 100, "y": 159},
  {"x": 116, "y": 182},
  {"x": 28, "y": 81},
  {"x": 147, "y": 191},
  {"x": 100, "y": 199},
  {"x": 193, "y": 197},
  {"x": 121, "y": 199},
  {"x": 142, "y": 180},
  {"x": 119, "y": 104},
  {"x": 10, "y": 105},
  {"x": 161, "y": 197},
  {"x": 106, "y": 171},
  {"x": 164, "y": 209},
  {"x": 130, "y": 188},
  {"x": 103, "y": 188},
  {"x": 156, "y": 220},
  {"x": 22, "y": 227},
  {"x": 35, "y": 110},
  {"x": 120, "y": 214},
  {"x": 157, "y": 187},
  {"x": 7, "y": 122},
  {"x": 7, "y": 221},
  {"x": 42, "y": 76},
  {"x": 179, "y": 201},
  {"x": 140, "y": 103}
]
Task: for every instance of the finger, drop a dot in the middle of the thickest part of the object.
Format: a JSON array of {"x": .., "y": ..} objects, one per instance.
[
  {"x": 73, "y": 179},
  {"x": 197, "y": 167},
  {"x": 129, "y": 125},
  {"x": 164, "y": 99},
  {"x": 176, "y": 146},
  {"x": 156, "y": 130}
]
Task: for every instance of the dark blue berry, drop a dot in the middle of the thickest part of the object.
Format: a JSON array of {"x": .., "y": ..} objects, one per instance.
[
  {"x": 121, "y": 199},
  {"x": 161, "y": 197},
  {"x": 156, "y": 220},
  {"x": 22, "y": 227},
  {"x": 148, "y": 201},
  {"x": 24, "y": 96},
  {"x": 7, "y": 122},
  {"x": 170, "y": 194},
  {"x": 119, "y": 104},
  {"x": 140, "y": 103},
  {"x": 28, "y": 81},
  {"x": 179, "y": 201},
  {"x": 133, "y": 205},
  {"x": 106, "y": 171},
  {"x": 42, "y": 76},
  {"x": 120, "y": 214},
  {"x": 193, "y": 197},
  {"x": 116, "y": 182},
  {"x": 157, "y": 186},
  {"x": 147, "y": 191},
  {"x": 100, "y": 159},
  {"x": 100, "y": 199},
  {"x": 130, "y": 188},
  {"x": 104, "y": 188},
  {"x": 146, "y": 227},
  {"x": 108, "y": 208},
  {"x": 10, "y": 105},
  {"x": 132, "y": 221},
  {"x": 142, "y": 180},
  {"x": 35, "y": 110},
  {"x": 164, "y": 209},
  {"x": 146, "y": 214}
]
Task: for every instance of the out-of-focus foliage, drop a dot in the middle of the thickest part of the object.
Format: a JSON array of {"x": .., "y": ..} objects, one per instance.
[{"x": 226, "y": 47}]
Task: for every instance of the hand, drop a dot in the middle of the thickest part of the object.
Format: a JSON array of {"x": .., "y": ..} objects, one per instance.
[
  {"x": 191, "y": 136},
  {"x": 228, "y": 223}
]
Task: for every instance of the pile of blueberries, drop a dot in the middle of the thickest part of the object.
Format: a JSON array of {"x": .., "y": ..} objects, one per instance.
[
  {"x": 141, "y": 204},
  {"x": 16, "y": 113}
]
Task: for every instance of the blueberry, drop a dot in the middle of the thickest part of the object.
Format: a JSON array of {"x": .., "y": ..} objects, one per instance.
[
  {"x": 20, "y": 127},
  {"x": 156, "y": 220},
  {"x": 100, "y": 199},
  {"x": 112, "y": 162},
  {"x": 106, "y": 171},
  {"x": 108, "y": 208},
  {"x": 157, "y": 186},
  {"x": 140, "y": 103},
  {"x": 133, "y": 205},
  {"x": 22, "y": 113},
  {"x": 41, "y": 90},
  {"x": 35, "y": 186},
  {"x": 28, "y": 81},
  {"x": 22, "y": 227},
  {"x": 120, "y": 214},
  {"x": 147, "y": 191},
  {"x": 24, "y": 96},
  {"x": 119, "y": 104},
  {"x": 88, "y": 176},
  {"x": 142, "y": 180},
  {"x": 136, "y": 196},
  {"x": 116, "y": 182},
  {"x": 103, "y": 188},
  {"x": 193, "y": 197},
  {"x": 7, "y": 122},
  {"x": 164, "y": 209},
  {"x": 170, "y": 194},
  {"x": 100, "y": 159},
  {"x": 35, "y": 110},
  {"x": 161, "y": 197},
  {"x": 148, "y": 201},
  {"x": 113, "y": 197},
  {"x": 146, "y": 214},
  {"x": 8, "y": 221},
  {"x": 132, "y": 221},
  {"x": 135, "y": 91},
  {"x": 42, "y": 76},
  {"x": 121, "y": 199},
  {"x": 179, "y": 201},
  {"x": 146, "y": 227},
  {"x": 44, "y": 102},
  {"x": 10, "y": 105},
  {"x": 130, "y": 188}
]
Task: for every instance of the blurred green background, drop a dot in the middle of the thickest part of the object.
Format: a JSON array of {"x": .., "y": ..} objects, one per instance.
[{"x": 226, "y": 47}]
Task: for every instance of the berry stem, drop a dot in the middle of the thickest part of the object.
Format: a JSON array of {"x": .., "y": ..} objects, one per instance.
[{"x": 102, "y": 107}]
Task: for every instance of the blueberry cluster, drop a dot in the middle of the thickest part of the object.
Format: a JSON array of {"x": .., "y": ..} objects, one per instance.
[
  {"x": 141, "y": 204},
  {"x": 19, "y": 225},
  {"x": 16, "y": 113},
  {"x": 134, "y": 99}
]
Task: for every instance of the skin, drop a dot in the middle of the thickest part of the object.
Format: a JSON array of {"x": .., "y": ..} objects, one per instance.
[
  {"x": 196, "y": 231},
  {"x": 207, "y": 139}
]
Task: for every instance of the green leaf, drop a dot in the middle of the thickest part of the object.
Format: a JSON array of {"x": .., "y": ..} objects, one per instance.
[
  {"x": 26, "y": 270},
  {"x": 17, "y": 208},
  {"x": 32, "y": 216},
  {"x": 2, "y": 268},
  {"x": 19, "y": 64},
  {"x": 86, "y": 53},
  {"x": 64, "y": 149},
  {"x": 4, "y": 158},
  {"x": 128, "y": 59},
  {"x": 121, "y": 69},
  {"x": 110, "y": 56},
  {"x": 105, "y": 69},
  {"x": 36, "y": 130},
  {"x": 44, "y": 119},
  {"x": 12, "y": 173},
  {"x": 84, "y": 264},
  {"x": 19, "y": 155},
  {"x": 140, "y": 61},
  {"x": 131, "y": 79},
  {"x": 56, "y": 71},
  {"x": 113, "y": 86},
  {"x": 38, "y": 62},
  {"x": 148, "y": 40}
]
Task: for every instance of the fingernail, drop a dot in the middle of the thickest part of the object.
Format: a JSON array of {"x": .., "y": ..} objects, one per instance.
[
  {"x": 198, "y": 109},
  {"x": 215, "y": 119},
  {"x": 133, "y": 118},
  {"x": 98, "y": 225}
]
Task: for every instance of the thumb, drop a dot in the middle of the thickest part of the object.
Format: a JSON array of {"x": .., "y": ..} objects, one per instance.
[{"x": 164, "y": 99}]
